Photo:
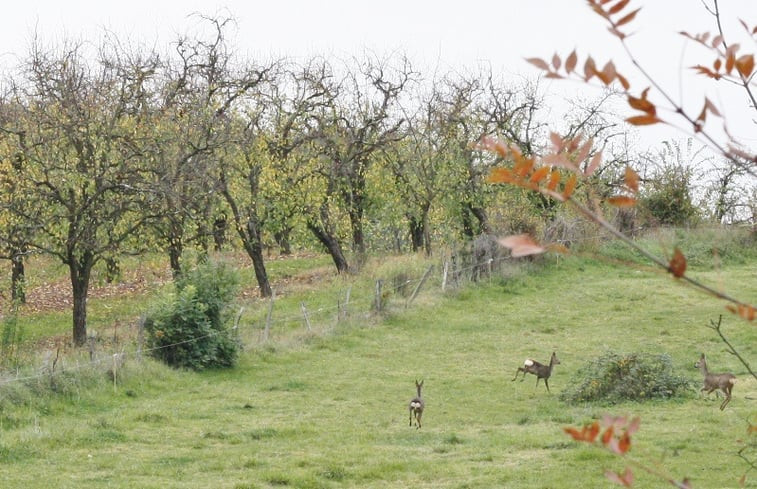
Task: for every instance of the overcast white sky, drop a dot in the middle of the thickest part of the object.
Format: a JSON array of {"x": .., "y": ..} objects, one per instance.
[{"x": 432, "y": 33}]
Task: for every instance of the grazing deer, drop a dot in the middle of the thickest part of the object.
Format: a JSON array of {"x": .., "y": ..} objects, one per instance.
[
  {"x": 416, "y": 406},
  {"x": 540, "y": 370},
  {"x": 723, "y": 382}
]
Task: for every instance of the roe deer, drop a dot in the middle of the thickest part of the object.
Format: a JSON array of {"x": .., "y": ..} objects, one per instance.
[
  {"x": 540, "y": 370},
  {"x": 417, "y": 405},
  {"x": 723, "y": 382}
]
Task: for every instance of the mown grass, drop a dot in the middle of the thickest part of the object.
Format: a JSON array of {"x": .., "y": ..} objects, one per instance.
[{"x": 329, "y": 409}]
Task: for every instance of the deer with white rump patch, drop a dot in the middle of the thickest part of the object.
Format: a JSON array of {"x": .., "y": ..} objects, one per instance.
[
  {"x": 541, "y": 371},
  {"x": 417, "y": 405},
  {"x": 723, "y": 382}
]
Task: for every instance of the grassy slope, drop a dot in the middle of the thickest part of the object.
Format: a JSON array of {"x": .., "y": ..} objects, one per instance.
[{"x": 332, "y": 412}]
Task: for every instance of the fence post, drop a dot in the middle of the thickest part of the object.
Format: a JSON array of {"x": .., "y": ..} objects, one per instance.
[
  {"x": 377, "y": 302},
  {"x": 418, "y": 287},
  {"x": 444, "y": 275},
  {"x": 305, "y": 314},
  {"x": 347, "y": 301},
  {"x": 267, "y": 328}
]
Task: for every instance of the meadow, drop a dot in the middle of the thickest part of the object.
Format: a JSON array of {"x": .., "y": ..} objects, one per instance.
[{"x": 328, "y": 408}]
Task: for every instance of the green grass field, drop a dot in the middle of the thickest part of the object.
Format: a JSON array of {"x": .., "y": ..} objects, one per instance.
[{"x": 330, "y": 410}]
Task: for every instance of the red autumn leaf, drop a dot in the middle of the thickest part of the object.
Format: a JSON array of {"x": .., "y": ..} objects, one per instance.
[
  {"x": 556, "y": 140},
  {"x": 623, "y": 81},
  {"x": 711, "y": 107},
  {"x": 618, "y": 7},
  {"x": 621, "y": 201},
  {"x": 745, "y": 65},
  {"x": 521, "y": 245},
  {"x": 607, "y": 435},
  {"x": 590, "y": 68},
  {"x": 745, "y": 311},
  {"x": 592, "y": 431},
  {"x": 570, "y": 62},
  {"x": 488, "y": 143},
  {"x": 730, "y": 61},
  {"x": 577, "y": 435},
  {"x": 554, "y": 179},
  {"x": 628, "y": 18},
  {"x": 642, "y": 104},
  {"x": 677, "y": 264},
  {"x": 501, "y": 175},
  {"x": 539, "y": 174},
  {"x": 556, "y": 62},
  {"x": 633, "y": 426},
  {"x": 561, "y": 160},
  {"x": 643, "y": 120},
  {"x": 570, "y": 186},
  {"x": 624, "y": 444},
  {"x": 584, "y": 150},
  {"x": 539, "y": 63}
]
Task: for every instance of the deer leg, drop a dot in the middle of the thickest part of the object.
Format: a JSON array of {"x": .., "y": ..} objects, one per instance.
[
  {"x": 418, "y": 419},
  {"x": 519, "y": 371},
  {"x": 726, "y": 401},
  {"x": 411, "y": 417},
  {"x": 547, "y": 384}
]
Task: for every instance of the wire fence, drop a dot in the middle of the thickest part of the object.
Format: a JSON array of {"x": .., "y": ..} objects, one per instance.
[{"x": 266, "y": 326}]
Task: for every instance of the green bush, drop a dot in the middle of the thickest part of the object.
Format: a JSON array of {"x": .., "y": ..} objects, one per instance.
[
  {"x": 615, "y": 377},
  {"x": 190, "y": 328}
]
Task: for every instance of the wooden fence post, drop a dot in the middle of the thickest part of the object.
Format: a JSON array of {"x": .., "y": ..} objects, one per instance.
[
  {"x": 267, "y": 328},
  {"x": 305, "y": 315},
  {"x": 377, "y": 302},
  {"x": 444, "y": 275},
  {"x": 418, "y": 287}
]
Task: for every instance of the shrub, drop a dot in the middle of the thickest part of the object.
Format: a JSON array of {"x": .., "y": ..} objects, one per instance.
[
  {"x": 190, "y": 328},
  {"x": 615, "y": 377}
]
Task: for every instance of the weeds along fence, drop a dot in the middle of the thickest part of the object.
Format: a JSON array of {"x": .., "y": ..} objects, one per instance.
[{"x": 277, "y": 322}]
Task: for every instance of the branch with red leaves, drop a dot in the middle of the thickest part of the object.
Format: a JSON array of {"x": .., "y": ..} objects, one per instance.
[
  {"x": 614, "y": 434},
  {"x": 547, "y": 175},
  {"x": 730, "y": 64}
]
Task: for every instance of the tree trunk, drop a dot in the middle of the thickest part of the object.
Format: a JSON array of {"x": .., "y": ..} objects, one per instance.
[
  {"x": 18, "y": 280},
  {"x": 416, "y": 233},
  {"x": 254, "y": 246},
  {"x": 174, "y": 257},
  {"x": 332, "y": 246},
  {"x": 80, "y": 270}
]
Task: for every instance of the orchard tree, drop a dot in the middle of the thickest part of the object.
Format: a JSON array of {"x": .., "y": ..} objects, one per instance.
[
  {"x": 191, "y": 119},
  {"x": 73, "y": 135}
]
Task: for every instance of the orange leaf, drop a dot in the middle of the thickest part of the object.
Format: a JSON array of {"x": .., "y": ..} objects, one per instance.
[
  {"x": 539, "y": 63},
  {"x": 607, "y": 435},
  {"x": 570, "y": 63},
  {"x": 592, "y": 431},
  {"x": 745, "y": 65},
  {"x": 633, "y": 426},
  {"x": 521, "y": 245},
  {"x": 554, "y": 179},
  {"x": 618, "y": 7},
  {"x": 745, "y": 311},
  {"x": 642, "y": 104},
  {"x": 643, "y": 120},
  {"x": 576, "y": 434},
  {"x": 623, "y": 81},
  {"x": 632, "y": 180},
  {"x": 677, "y": 264},
  {"x": 628, "y": 18},
  {"x": 570, "y": 186},
  {"x": 624, "y": 444},
  {"x": 621, "y": 201},
  {"x": 501, "y": 175},
  {"x": 539, "y": 174}
]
